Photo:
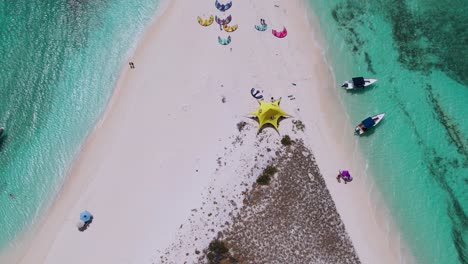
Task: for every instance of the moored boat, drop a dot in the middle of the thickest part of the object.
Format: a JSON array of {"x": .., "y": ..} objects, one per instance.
[
  {"x": 368, "y": 123},
  {"x": 358, "y": 82}
]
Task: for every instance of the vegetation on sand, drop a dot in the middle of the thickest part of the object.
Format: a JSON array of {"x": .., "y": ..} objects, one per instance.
[
  {"x": 286, "y": 141},
  {"x": 265, "y": 177},
  {"x": 218, "y": 253},
  {"x": 241, "y": 125},
  {"x": 299, "y": 125}
]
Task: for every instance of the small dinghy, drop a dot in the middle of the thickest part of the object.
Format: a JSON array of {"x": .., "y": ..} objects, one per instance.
[
  {"x": 1, "y": 131},
  {"x": 368, "y": 123},
  {"x": 358, "y": 82}
]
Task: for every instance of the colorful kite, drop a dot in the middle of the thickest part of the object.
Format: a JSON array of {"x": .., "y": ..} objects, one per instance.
[
  {"x": 280, "y": 34},
  {"x": 224, "y": 41},
  {"x": 256, "y": 94},
  {"x": 223, "y": 7},
  {"x": 261, "y": 27},
  {"x": 223, "y": 22},
  {"x": 228, "y": 28},
  {"x": 205, "y": 22}
]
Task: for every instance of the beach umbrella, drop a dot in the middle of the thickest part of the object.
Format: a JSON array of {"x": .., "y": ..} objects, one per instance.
[
  {"x": 80, "y": 224},
  {"x": 85, "y": 216}
]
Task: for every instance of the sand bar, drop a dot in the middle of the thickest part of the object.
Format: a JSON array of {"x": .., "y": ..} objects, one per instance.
[{"x": 154, "y": 152}]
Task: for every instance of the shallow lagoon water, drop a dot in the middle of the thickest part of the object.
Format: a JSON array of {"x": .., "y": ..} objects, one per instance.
[
  {"x": 418, "y": 156},
  {"x": 60, "y": 61}
]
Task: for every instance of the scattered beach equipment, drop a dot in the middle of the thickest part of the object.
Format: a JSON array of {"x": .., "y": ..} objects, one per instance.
[
  {"x": 368, "y": 123},
  {"x": 358, "y": 82},
  {"x": 228, "y": 28},
  {"x": 345, "y": 175},
  {"x": 280, "y": 34},
  {"x": 269, "y": 113},
  {"x": 256, "y": 94},
  {"x": 224, "y": 41},
  {"x": 222, "y": 22},
  {"x": 205, "y": 22},
  {"x": 223, "y": 7}
]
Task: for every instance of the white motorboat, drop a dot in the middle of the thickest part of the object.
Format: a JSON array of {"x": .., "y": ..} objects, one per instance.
[
  {"x": 368, "y": 123},
  {"x": 358, "y": 82}
]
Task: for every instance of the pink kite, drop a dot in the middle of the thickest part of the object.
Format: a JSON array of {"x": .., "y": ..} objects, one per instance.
[{"x": 280, "y": 34}]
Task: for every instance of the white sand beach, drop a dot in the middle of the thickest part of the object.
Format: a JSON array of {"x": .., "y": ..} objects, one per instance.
[{"x": 155, "y": 150}]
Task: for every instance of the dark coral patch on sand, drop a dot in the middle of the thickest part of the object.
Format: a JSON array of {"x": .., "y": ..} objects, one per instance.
[{"x": 293, "y": 220}]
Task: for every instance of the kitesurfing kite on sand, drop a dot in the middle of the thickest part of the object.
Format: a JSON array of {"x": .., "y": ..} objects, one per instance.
[{"x": 280, "y": 34}]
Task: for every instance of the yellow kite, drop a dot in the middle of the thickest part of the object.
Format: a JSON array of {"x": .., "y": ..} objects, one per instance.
[
  {"x": 206, "y": 22},
  {"x": 269, "y": 113},
  {"x": 230, "y": 28}
]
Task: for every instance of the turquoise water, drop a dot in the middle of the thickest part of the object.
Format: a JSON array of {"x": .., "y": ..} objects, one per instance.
[
  {"x": 60, "y": 61},
  {"x": 418, "y": 155}
]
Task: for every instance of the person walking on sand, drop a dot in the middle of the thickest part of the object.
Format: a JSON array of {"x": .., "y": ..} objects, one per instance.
[{"x": 338, "y": 177}]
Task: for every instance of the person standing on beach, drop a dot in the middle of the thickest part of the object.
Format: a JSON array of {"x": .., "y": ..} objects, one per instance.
[{"x": 339, "y": 177}]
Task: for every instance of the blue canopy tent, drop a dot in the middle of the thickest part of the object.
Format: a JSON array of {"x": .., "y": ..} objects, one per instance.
[
  {"x": 85, "y": 216},
  {"x": 368, "y": 122}
]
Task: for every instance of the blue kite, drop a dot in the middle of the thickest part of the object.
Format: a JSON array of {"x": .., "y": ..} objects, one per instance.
[{"x": 223, "y": 7}]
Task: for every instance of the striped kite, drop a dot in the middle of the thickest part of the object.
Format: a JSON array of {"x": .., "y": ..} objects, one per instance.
[{"x": 256, "y": 94}]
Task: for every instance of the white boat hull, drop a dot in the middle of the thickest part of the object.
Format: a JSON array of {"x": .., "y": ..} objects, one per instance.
[
  {"x": 349, "y": 85},
  {"x": 359, "y": 130}
]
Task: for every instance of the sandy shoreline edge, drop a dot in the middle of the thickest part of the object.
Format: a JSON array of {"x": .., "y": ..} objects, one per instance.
[{"x": 103, "y": 178}]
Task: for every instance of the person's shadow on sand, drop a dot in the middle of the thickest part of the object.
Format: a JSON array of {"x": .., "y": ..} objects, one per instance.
[{"x": 86, "y": 225}]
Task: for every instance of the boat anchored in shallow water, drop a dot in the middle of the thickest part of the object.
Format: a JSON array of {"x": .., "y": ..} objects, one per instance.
[
  {"x": 368, "y": 123},
  {"x": 358, "y": 82},
  {"x": 1, "y": 131}
]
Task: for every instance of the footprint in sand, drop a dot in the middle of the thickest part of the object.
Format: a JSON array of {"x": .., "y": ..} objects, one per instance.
[{"x": 185, "y": 108}]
